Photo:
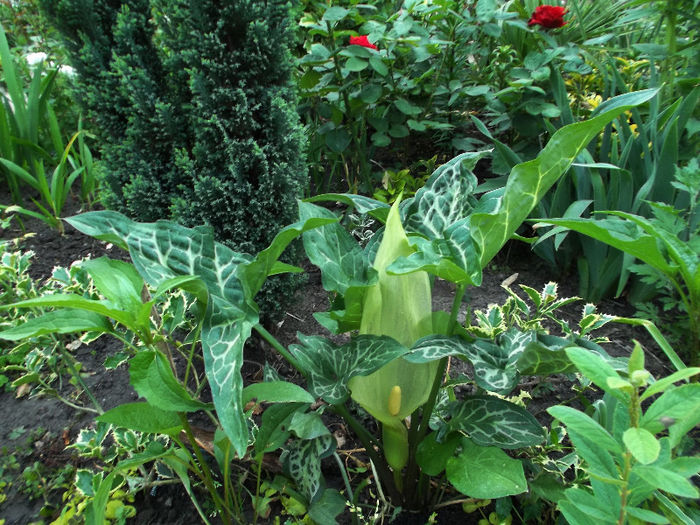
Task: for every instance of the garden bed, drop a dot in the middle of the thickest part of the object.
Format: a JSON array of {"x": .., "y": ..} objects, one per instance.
[{"x": 37, "y": 427}]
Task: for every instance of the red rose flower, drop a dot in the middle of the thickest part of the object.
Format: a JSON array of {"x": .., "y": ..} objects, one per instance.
[
  {"x": 548, "y": 16},
  {"x": 361, "y": 41}
]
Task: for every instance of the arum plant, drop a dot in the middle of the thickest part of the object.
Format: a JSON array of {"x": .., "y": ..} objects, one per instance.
[{"x": 394, "y": 362}]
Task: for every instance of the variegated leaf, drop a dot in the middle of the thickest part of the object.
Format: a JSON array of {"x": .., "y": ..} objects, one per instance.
[
  {"x": 302, "y": 462},
  {"x": 445, "y": 198},
  {"x": 363, "y": 205},
  {"x": 344, "y": 266},
  {"x": 163, "y": 250},
  {"x": 490, "y": 421},
  {"x": 546, "y": 356},
  {"x": 330, "y": 366}
]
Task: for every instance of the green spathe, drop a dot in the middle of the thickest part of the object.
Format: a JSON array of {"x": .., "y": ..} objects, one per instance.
[{"x": 398, "y": 306}]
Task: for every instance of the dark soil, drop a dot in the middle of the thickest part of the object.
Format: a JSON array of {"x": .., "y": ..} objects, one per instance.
[{"x": 36, "y": 427}]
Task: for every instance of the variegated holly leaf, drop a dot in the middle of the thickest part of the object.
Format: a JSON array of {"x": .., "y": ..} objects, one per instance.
[
  {"x": 329, "y": 367},
  {"x": 301, "y": 460},
  {"x": 344, "y": 266},
  {"x": 446, "y": 197},
  {"x": 490, "y": 421}
]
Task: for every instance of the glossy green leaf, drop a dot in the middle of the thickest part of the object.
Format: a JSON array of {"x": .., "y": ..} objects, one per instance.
[
  {"x": 490, "y": 421},
  {"x": 432, "y": 455},
  {"x": 485, "y": 472},
  {"x": 666, "y": 480},
  {"x": 495, "y": 221},
  {"x": 585, "y": 426},
  {"x": 152, "y": 378},
  {"x": 143, "y": 417},
  {"x": 678, "y": 408},
  {"x": 118, "y": 281},
  {"x": 276, "y": 392},
  {"x": 594, "y": 367},
  {"x": 662, "y": 384},
  {"x": 58, "y": 322}
]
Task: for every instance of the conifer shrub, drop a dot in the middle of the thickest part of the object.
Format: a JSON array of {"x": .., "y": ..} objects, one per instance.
[{"x": 194, "y": 107}]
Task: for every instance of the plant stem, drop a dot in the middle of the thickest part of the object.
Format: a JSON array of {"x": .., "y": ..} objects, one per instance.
[
  {"x": 224, "y": 511},
  {"x": 278, "y": 346},
  {"x": 68, "y": 359},
  {"x": 369, "y": 442}
]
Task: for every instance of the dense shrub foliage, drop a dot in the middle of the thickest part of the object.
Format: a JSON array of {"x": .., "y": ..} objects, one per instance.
[{"x": 194, "y": 108}]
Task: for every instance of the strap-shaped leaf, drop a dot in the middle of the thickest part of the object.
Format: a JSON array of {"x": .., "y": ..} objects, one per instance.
[
  {"x": 493, "y": 223},
  {"x": 330, "y": 366},
  {"x": 490, "y": 421},
  {"x": 163, "y": 250}
]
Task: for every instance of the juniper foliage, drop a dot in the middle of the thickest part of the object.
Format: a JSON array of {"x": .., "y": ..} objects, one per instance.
[{"x": 194, "y": 106}]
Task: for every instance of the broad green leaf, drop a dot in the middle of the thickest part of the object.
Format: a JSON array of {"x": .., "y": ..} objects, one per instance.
[
  {"x": 327, "y": 507},
  {"x": 58, "y": 322},
  {"x": 666, "y": 480},
  {"x": 302, "y": 461},
  {"x": 307, "y": 425},
  {"x": 276, "y": 392},
  {"x": 620, "y": 234},
  {"x": 646, "y": 516},
  {"x": 143, "y": 417},
  {"x": 78, "y": 302},
  {"x": 495, "y": 222},
  {"x": 663, "y": 383},
  {"x": 594, "y": 367},
  {"x": 490, "y": 421},
  {"x": 338, "y": 140},
  {"x": 679, "y": 408},
  {"x": 152, "y": 377},
  {"x": 254, "y": 273},
  {"x": 330, "y": 366},
  {"x": 355, "y": 64},
  {"x": 405, "y": 107},
  {"x": 377, "y": 209},
  {"x": 163, "y": 250},
  {"x": 585, "y": 426},
  {"x": 432, "y": 455},
  {"x": 485, "y": 472},
  {"x": 344, "y": 266},
  {"x": 118, "y": 281},
  {"x": 590, "y": 505},
  {"x": 574, "y": 515},
  {"x": 274, "y": 427},
  {"x": 334, "y": 14},
  {"x": 642, "y": 444}
]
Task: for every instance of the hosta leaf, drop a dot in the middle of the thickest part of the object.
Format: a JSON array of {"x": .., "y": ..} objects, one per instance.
[
  {"x": 485, "y": 472},
  {"x": 490, "y": 421},
  {"x": 302, "y": 461},
  {"x": 163, "y": 250},
  {"x": 330, "y": 366}
]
